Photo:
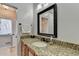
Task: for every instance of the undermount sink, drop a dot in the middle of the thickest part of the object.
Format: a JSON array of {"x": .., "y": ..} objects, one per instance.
[{"x": 39, "y": 44}]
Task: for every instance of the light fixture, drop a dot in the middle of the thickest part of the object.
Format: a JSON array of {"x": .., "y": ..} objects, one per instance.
[
  {"x": 39, "y": 6},
  {"x": 45, "y": 4}
]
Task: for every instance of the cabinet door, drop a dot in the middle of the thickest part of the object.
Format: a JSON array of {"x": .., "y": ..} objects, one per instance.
[
  {"x": 30, "y": 54},
  {"x": 24, "y": 49},
  {"x": 27, "y": 51}
]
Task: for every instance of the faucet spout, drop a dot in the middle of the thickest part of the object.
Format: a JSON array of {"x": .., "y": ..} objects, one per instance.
[{"x": 51, "y": 38}]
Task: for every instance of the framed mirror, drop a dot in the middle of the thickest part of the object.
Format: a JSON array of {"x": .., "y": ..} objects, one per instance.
[{"x": 47, "y": 21}]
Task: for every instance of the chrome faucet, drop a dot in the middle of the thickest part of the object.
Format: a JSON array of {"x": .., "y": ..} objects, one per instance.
[{"x": 51, "y": 38}]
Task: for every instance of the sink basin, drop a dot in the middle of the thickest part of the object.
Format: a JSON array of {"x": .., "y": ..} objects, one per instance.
[{"x": 39, "y": 44}]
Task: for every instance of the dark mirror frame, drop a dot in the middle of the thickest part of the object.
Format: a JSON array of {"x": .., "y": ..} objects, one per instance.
[{"x": 54, "y": 6}]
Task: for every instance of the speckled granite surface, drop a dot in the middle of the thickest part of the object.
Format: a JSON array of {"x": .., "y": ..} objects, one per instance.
[{"x": 50, "y": 50}]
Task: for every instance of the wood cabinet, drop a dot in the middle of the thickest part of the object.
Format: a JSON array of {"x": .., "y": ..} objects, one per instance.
[
  {"x": 32, "y": 52},
  {"x": 26, "y": 50}
]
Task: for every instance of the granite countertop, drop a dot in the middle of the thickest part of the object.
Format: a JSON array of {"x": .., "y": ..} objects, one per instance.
[{"x": 50, "y": 50}]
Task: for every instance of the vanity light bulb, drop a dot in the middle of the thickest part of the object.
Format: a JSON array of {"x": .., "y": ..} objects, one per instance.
[
  {"x": 46, "y": 4},
  {"x": 39, "y": 6}
]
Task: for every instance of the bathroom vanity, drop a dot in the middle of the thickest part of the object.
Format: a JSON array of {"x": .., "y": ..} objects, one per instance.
[
  {"x": 51, "y": 49},
  {"x": 47, "y": 27}
]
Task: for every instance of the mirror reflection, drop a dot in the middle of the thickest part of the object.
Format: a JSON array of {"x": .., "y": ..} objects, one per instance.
[{"x": 46, "y": 22}]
